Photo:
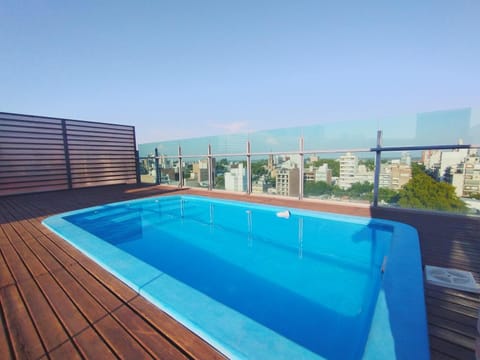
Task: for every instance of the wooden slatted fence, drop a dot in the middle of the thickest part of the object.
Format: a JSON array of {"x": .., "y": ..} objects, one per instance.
[{"x": 40, "y": 153}]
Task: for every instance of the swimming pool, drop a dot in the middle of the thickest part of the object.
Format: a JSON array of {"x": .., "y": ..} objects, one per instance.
[{"x": 264, "y": 282}]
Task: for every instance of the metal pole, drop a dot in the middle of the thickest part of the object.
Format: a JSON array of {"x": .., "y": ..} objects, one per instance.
[
  {"x": 249, "y": 169},
  {"x": 137, "y": 158},
  {"x": 378, "y": 165},
  {"x": 209, "y": 167},
  {"x": 137, "y": 167},
  {"x": 157, "y": 168},
  {"x": 301, "y": 170},
  {"x": 180, "y": 167},
  {"x": 66, "y": 150}
]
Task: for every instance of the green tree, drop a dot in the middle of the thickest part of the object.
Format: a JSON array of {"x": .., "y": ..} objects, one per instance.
[
  {"x": 221, "y": 166},
  {"x": 316, "y": 188},
  {"x": 424, "y": 192},
  {"x": 447, "y": 175},
  {"x": 259, "y": 168},
  {"x": 388, "y": 195},
  {"x": 369, "y": 163},
  {"x": 220, "y": 182}
]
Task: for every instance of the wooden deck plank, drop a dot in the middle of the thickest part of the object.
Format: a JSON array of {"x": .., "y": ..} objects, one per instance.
[
  {"x": 50, "y": 329},
  {"x": 25, "y": 340},
  {"x": 69, "y": 315},
  {"x": 193, "y": 345},
  {"x": 147, "y": 335},
  {"x": 16, "y": 266},
  {"x": 92, "y": 346},
  {"x": 5, "y": 344},
  {"x": 6, "y": 277},
  {"x": 69, "y": 282},
  {"x": 66, "y": 350},
  {"x": 124, "y": 346}
]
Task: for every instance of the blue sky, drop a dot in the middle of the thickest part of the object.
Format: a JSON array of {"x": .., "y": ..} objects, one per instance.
[{"x": 178, "y": 69}]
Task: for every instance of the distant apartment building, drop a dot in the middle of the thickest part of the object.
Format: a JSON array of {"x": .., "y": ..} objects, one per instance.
[
  {"x": 309, "y": 175},
  {"x": 270, "y": 163},
  {"x": 471, "y": 184},
  {"x": 395, "y": 175},
  {"x": 400, "y": 175},
  {"x": 464, "y": 165},
  {"x": 452, "y": 159},
  {"x": 442, "y": 160},
  {"x": 259, "y": 186},
  {"x": 200, "y": 170},
  {"x": 385, "y": 178},
  {"x": 287, "y": 182},
  {"x": 364, "y": 175},
  {"x": 236, "y": 178},
  {"x": 348, "y": 170},
  {"x": 431, "y": 159},
  {"x": 323, "y": 173}
]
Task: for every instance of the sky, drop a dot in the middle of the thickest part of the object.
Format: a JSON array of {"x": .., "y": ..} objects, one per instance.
[{"x": 180, "y": 68}]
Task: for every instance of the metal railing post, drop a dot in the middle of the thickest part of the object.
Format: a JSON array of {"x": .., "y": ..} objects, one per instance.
[
  {"x": 157, "y": 168},
  {"x": 137, "y": 168},
  {"x": 378, "y": 165},
  {"x": 301, "y": 170},
  {"x": 180, "y": 167},
  {"x": 209, "y": 167},
  {"x": 249, "y": 169},
  {"x": 66, "y": 150}
]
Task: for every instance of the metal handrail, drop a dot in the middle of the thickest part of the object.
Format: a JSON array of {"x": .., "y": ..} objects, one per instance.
[{"x": 378, "y": 149}]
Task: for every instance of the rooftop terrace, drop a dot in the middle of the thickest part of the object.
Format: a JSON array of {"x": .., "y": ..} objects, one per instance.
[{"x": 57, "y": 303}]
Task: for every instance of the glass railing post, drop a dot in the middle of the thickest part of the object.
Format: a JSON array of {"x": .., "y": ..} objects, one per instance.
[
  {"x": 249, "y": 169},
  {"x": 378, "y": 165}
]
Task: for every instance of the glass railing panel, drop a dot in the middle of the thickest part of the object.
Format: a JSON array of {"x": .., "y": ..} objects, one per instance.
[
  {"x": 440, "y": 180},
  {"x": 275, "y": 140},
  {"x": 195, "y": 172},
  {"x": 263, "y": 175},
  {"x": 230, "y": 173},
  {"x": 146, "y": 167},
  {"x": 276, "y": 175},
  {"x": 447, "y": 127},
  {"x": 345, "y": 176}
]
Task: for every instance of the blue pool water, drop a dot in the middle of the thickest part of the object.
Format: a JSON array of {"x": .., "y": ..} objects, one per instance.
[{"x": 257, "y": 285}]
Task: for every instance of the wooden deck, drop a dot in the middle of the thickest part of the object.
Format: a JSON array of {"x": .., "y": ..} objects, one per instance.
[{"x": 57, "y": 303}]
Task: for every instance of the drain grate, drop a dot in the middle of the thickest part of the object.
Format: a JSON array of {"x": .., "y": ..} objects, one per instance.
[{"x": 451, "y": 278}]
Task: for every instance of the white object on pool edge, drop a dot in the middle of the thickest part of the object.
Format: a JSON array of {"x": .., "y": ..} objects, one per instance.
[
  {"x": 284, "y": 214},
  {"x": 451, "y": 278}
]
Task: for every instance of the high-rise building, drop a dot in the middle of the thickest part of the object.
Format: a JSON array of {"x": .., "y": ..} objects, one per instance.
[
  {"x": 200, "y": 170},
  {"x": 236, "y": 178},
  {"x": 287, "y": 182},
  {"x": 323, "y": 173},
  {"x": 400, "y": 175},
  {"x": 259, "y": 186},
  {"x": 348, "y": 170},
  {"x": 471, "y": 183}
]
